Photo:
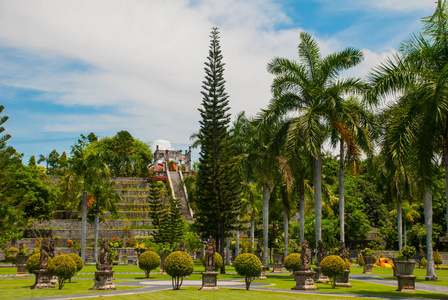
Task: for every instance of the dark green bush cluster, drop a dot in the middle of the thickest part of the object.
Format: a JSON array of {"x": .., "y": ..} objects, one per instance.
[
  {"x": 249, "y": 266},
  {"x": 292, "y": 262},
  {"x": 63, "y": 267},
  {"x": 332, "y": 266},
  {"x": 33, "y": 263},
  {"x": 218, "y": 261},
  {"x": 148, "y": 261}
]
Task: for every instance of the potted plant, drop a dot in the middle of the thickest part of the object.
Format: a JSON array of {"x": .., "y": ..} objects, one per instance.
[
  {"x": 403, "y": 263},
  {"x": 369, "y": 260}
]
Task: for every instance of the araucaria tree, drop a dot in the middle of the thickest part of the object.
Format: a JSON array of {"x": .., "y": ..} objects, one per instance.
[{"x": 218, "y": 184}]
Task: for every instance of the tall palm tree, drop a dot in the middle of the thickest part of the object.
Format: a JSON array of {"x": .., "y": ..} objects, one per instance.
[
  {"x": 310, "y": 88},
  {"x": 351, "y": 126},
  {"x": 420, "y": 73}
]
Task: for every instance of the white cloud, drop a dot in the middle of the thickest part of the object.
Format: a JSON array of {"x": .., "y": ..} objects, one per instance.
[{"x": 163, "y": 145}]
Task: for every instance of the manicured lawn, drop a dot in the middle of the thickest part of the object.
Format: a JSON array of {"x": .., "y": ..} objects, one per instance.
[
  {"x": 223, "y": 293},
  {"x": 20, "y": 288},
  {"x": 359, "y": 287},
  {"x": 440, "y": 281}
]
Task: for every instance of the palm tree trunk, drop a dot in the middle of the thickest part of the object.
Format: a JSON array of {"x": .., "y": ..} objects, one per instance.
[
  {"x": 445, "y": 162},
  {"x": 84, "y": 226},
  {"x": 317, "y": 168},
  {"x": 95, "y": 246},
  {"x": 228, "y": 251},
  {"x": 237, "y": 241},
  {"x": 341, "y": 190},
  {"x": 252, "y": 230},
  {"x": 399, "y": 226},
  {"x": 286, "y": 230},
  {"x": 427, "y": 206},
  {"x": 265, "y": 223},
  {"x": 404, "y": 234},
  {"x": 302, "y": 212}
]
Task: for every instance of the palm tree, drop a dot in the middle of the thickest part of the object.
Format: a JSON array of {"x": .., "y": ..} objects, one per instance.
[
  {"x": 351, "y": 127},
  {"x": 104, "y": 198},
  {"x": 311, "y": 89},
  {"x": 420, "y": 133}
]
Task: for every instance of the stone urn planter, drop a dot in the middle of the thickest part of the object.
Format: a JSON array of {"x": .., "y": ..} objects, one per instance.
[
  {"x": 404, "y": 268},
  {"x": 368, "y": 264},
  {"x": 21, "y": 265},
  {"x": 163, "y": 256},
  {"x": 278, "y": 259}
]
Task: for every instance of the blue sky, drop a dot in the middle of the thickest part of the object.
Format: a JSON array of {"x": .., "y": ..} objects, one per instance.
[{"x": 71, "y": 67}]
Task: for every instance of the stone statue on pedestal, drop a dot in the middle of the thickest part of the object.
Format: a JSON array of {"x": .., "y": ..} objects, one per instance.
[
  {"x": 343, "y": 250},
  {"x": 44, "y": 250},
  {"x": 103, "y": 257},
  {"x": 321, "y": 253},
  {"x": 305, "y": 256},
  {"x": 210, "y": 255}
]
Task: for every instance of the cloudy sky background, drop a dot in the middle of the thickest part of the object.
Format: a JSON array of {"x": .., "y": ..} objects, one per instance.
[{"x": 72, "y": 67}]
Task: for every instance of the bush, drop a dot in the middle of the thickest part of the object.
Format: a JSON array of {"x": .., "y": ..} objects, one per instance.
[
  {"x": 361, "y": 260},
  {"x": 406, "y": 253},
  {"x": 292, "y": 262},
  {"x": 131, "y": 242},
  {"x": 249, "y": 266},
  {"x": 437, "y": 259},
  {"x": 347, "y": 265},
  {"x": 11, "y": 255},
  {"x": 423, "y": 263},
  {"x": 63, "y": 267},
  {"x": 178, "y": 265},
  {"x": 148, "y": 261},
  {"x": 116, "y": 243},
  {"x": 332, "y": 266},
  {"x": 218, "y": 261},
  {"x": 33, "y": 263},
  {"x": 78, "y": 262}
]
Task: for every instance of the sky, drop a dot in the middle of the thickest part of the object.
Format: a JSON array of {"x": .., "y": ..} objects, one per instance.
[{"x": 74, "y": 67}]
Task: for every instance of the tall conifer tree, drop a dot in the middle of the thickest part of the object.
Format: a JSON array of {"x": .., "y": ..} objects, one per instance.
[{"x": 218, "y": 178}]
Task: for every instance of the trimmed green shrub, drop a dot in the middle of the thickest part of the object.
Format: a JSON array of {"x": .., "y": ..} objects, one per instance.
[
  {"x": 332, "y": 266},
  {"x": 218, "y": 261},
  {"x": 292, "y": 262},
  {"x": 178, "y": 265},
  {"x": 11, "y": 255},
  {"x": 148, "y": 261},
  {"x": 423, "y": 263},
  {"x": 406, "y": 253},
  {"x": 437, "y": 259},
  {"x": 63, "y": 267},
  {"x": 347, "y": 265},
  {"x": 78, "y": 261},
  {"x": 249, "y": 266},
  {"x": 361, "y": 260},
  {"x": 33, "y": 263}
]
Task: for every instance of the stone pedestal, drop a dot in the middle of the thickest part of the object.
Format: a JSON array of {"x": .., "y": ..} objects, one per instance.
[
  {"x": 368, "y": 264},
  {"x": 104, "y": 280},
  {"x": 368, "y": 269},
  {"x": 21, "y": 265},
  {"x": 319, "y": 277},
  {"x": 304, "y": 280},
  {"x": 263, "y": 273},
  {"x": 277, "y": 263},
  {"x": 42, "y": 280},
  {"x": 406, "y": 283},
  {"x": 209, "y": 281},
  {"x": 343, "y": 280}
]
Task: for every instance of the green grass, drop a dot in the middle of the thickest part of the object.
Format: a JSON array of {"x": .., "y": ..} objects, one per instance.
[
  {"x": 20, "y": 289},
  {"x": 440, "y": 281},
  {"x": 359, "y": 288},
  {"x": 223, "y": 293}
]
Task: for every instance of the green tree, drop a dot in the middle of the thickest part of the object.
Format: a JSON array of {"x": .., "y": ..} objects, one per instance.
[
  {"x": 419, "y": 132},
  {"x": 217, "y": 201},
  {"x": 158, "y": 209},
  {"x": 311, "y": 89}
]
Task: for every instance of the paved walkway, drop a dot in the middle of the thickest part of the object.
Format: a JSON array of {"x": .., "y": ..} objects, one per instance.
[{"x": 152, "y": 285}]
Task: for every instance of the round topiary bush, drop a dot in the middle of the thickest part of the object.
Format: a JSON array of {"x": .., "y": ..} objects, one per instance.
[
  {"x": 78, "y": 261},
  {"x": 347, "y": 265},
  {"x": 249, "y": 266},
  {"x": 11, "y": 255},
  {"x": 33, "y": 263},
  {"x": 332, "y": 266},
  {"x": 361, "y": 260},
  {"x": 423, "y": 263},
  {"x": 292, "y": 262},
  {"x": 178, "y": 265},
  {"x": 148, "y": 261},
  {"x": 63, "y": 267},
  {"x": 218, "y": 261}
]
